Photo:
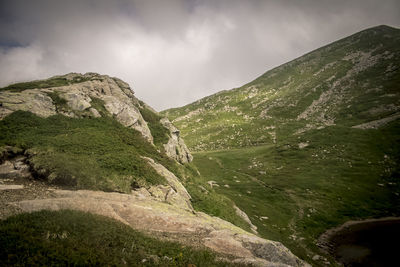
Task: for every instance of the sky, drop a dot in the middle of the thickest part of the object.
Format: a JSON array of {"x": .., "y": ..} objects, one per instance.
[{"x": 173, "y": 52}]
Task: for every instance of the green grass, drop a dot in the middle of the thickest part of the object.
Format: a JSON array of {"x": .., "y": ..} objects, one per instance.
[
  {"x": 59, "y": 102},
  {"x": 158, "y": 131},
  {"x": 52, "y": 82},
  {"x": 75, "y": 238},
  {"x": 98, "y": 104},
  {"x": 305, "y": 191},
  {"x": 213, "y": 203},
  {"x": 98, "y": 154},
  {"x": 245, "y": 116}
]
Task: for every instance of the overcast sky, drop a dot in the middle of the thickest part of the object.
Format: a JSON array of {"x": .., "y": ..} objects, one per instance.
[{"x": 173, "y": 52}]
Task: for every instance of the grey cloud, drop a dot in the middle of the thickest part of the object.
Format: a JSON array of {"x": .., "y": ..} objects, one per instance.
[{"x": 174, "y": 52}]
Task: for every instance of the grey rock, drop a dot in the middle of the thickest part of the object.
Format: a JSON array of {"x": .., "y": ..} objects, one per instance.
[
  {"x": 33, "y": 100},
  {"x": 119, "y": 100},
  {"x": 95, "y": 113},
  {"x": 176, "y": 148},
  {"x": 244, "y": 216},
  {"x": 77, "y": 100},
  {"x": 175, "y": 193}
]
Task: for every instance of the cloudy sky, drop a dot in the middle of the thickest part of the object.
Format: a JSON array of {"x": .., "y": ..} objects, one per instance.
[{"x": 173, "y": 52}]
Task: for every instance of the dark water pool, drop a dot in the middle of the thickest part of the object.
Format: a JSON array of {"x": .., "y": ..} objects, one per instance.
[{"x": 375, "y": 243}]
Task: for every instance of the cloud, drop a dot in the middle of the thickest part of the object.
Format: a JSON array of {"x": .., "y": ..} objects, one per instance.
[{"x": 173, "y": 52}]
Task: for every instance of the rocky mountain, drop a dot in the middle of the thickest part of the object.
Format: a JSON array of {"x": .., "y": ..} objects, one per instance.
[
  {"x": 308, "y": 145},
  {"x": 85, "y": 142}
]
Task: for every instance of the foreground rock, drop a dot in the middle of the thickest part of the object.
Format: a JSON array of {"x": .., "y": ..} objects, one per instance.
[{"x": 141, "y": 211}]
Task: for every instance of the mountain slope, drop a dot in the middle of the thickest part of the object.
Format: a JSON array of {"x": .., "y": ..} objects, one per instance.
[
  {"x": 308, "y": 145},
  {"x": 349, "y": 82}
]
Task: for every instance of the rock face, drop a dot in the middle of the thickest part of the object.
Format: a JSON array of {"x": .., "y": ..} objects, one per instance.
[
  {"x": 175, "y": 193},
  {"x": 79, "y": 99},
  {"x": 176, "y": 148}
]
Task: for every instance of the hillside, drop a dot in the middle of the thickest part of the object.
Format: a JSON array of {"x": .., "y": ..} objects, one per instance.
[
  {"x": 308, "y": 145},
  {"x": 347, "y": 83},
  {"x": 84, "y": 142}
]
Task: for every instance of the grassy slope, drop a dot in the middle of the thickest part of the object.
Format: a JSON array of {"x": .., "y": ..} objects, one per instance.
[
  {"x": 306, "y": 191},
  {"x": 268, "y": 107},
  {"x": 84, "y": 153},
  {"x": 246, "y": 139},
  {"x": 80, "y": 239},
  {"x": 158, "y": 131},
  {"x": 100, "y": 154}
]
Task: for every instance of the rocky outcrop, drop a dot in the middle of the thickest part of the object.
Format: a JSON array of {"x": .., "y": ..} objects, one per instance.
[
  {"x": 35, "y": 101},
  {"x": 176, "y": 148},
  {"x": 77, "y": 100},
  {"x": 141, "y": 211},
  {"x": 244, "y": 216},
  {"x": 118, "y": 98},
  {"x": 175, "y": 193},
  {"x": 377, "y": 123}
]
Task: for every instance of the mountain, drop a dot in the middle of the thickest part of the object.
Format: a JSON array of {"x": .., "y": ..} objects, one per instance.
[
  {"x": 80, "y": 143},
  {"x": 347, "y": 83},
  {"x": 308, "y": 145}
]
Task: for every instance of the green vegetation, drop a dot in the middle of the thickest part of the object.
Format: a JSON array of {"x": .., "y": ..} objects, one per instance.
[
  {"x": 98, "y": 154},
  {"x": 282, "y": 147},
  {"x": 52, "y": 82},
  {"x": 207, "y": 200},
  {"x": 98, "y": 104},
  {"x": 293, "y": 195},
  {"x": 350, "y": 82},
  {"x": 78, "y": 239},
  {"x": 158, "y": 131},
  {"x": 59, "y": 102}
]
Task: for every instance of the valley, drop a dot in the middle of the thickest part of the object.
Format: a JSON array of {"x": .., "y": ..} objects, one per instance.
[{"x": 308, "y": 145}]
